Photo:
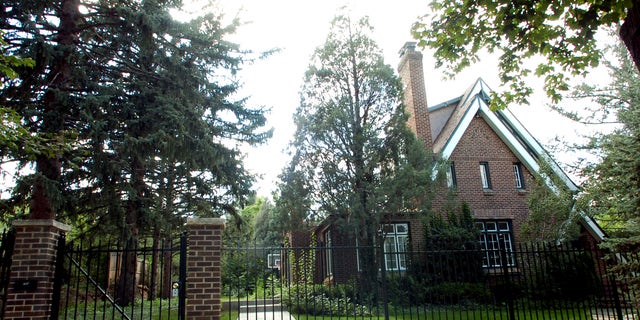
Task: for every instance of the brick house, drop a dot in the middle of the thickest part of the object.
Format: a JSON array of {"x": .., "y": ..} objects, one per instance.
[{"x": 491, "y": 159}]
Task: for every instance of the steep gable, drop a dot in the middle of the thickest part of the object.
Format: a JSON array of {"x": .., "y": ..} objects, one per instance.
[
  {"x": 475, "y": 103},
  {"x": 507, "y": 155}
]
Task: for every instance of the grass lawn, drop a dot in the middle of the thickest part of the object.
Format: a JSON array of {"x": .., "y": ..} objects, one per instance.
[
  {"x": 158, "y": 309},
  {"x": 486, "y": 314}
]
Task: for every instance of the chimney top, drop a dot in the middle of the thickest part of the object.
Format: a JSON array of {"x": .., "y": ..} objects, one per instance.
[{"x": 409, "y": 46}]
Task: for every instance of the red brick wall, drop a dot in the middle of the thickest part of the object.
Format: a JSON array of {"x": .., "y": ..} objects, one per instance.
[
  {"x": 34, "y": 259},
  {"x": 415, "y": 96},
  {"x": 204, "y": 269},
  {"x": 504, "y": 200}
]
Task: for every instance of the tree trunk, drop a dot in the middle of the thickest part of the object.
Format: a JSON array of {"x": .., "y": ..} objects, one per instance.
[
  {"x": 134, "y": 211},
  {"x": 167, "y": 282},
  {"x": 155, "y": 261},
  {"x": 49, "y": 168},
  {"x": 630, "y": 32}
]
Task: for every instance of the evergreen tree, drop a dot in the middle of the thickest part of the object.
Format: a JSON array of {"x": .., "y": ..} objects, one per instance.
[
  {"x": 148, "y": 101},
  {"x": 269, "y": 230},
  {"x": 551, "y": 213},
  {"x": 354, "y": 157},
  {"x": 46, "y": 95},
  {"x": 611, "y": 192},
  {"x": 456, "y": 231}
]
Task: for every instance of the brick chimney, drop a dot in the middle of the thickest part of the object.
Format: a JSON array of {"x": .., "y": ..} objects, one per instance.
[{"x": 415, "y": 97}]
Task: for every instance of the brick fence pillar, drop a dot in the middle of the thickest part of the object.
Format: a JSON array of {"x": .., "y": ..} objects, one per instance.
[
  {"x": 32, "y": 269},
  {"x": 204, "y": 268}
]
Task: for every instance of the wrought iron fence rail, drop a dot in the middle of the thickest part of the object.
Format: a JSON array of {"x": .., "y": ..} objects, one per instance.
[
  {"x": 113, "y": 280},
  {"x": 530, "y": 282}
]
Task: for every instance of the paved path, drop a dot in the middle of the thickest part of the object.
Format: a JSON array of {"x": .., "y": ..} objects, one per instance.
[
  {"x": 264, "y": 310},
  {"x": 266, "y": 315}
]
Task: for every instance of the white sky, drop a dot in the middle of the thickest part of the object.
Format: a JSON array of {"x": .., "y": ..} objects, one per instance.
[{"x": 299, "y": 26}]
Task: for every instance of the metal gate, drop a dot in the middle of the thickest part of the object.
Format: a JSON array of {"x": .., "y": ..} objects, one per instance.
[{"x": 121, "y": 280}]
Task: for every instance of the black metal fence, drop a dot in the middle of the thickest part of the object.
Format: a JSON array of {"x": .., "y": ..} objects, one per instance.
[
  {"x": 530, "y": 282},
  {"x": 117, "y": 280}
]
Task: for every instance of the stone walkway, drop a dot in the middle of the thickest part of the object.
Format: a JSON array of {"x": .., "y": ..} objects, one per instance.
[{"x": 263, "y": 310}]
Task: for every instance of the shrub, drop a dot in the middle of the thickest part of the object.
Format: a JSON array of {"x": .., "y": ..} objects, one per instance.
[
  {"x": 459, "y": 293},
  {"x": 411, "y": 291},
  {"x": 323, "y": 300}
]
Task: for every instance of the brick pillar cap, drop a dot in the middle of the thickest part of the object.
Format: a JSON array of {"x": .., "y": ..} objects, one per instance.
[
  {"x": 42, "y": 223},
  {"x": 206, "y": 221}
]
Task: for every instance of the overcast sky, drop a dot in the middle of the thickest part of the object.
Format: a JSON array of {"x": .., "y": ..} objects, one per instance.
[{"x": 298, "y": 27}]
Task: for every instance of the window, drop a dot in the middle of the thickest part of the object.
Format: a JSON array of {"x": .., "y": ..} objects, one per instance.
[
  {"x": 494, "y": 235},
  {"x": 451, "y": 176},
  {"x": 395, "y": 246},
  {"x": 484, "y": 175},
  {"x": 519, "y": 175},
  {"x": 273, "y": 261}
]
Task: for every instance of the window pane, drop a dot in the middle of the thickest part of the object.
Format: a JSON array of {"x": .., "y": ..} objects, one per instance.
[
  {"x": 390, "y": 244},
  {"x": 451, "y": 176},
  {"x": 395, "y": 245},
  {"x": 389, "y": 253},
  {"x": 402, "y": 243},
  {"x": 402, "y": 228},
  {"x": 518, "y": 176},
  {"x": 493, "y": 236},
  {"x": 484, "y": 175},
  {"x": 483, "y": 242}
]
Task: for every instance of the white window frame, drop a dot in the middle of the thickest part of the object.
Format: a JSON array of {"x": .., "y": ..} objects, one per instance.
[
  {"x": 273, "y": 261},
  {"x": 517, "y": 171},
  {"x": 451, "y": 176},
  {"x": 485, "y": 176},
  {"x": 396, "y": 241},
  {"x": 490, "y": 233}
]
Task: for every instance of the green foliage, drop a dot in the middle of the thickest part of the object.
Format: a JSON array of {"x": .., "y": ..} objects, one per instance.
[
  {"x": 551, "y": 213},
  {"x": 561, "y": 274},
  {"x": 452, "y": 244},
  {"x": 303, "y": 296},
  {"x": 561, "y": 32},
  {"x": 8, "y": 62},
  {"x": 458, "y": 293},
  {"x": 406, "y": 291},
  {"x": 302, "y": 263},
  {"x": 269, "y": 227},
  {"x": 156, "y": 309},
  {"x": 320, "y": 300},
  {"x": 241, "y": 272},
  {"x": 611, "y": 192},
  {"x": 151, "y": 102},
  {"x": 353, "y": 156},
  {"x": 456, "y": 231},
  {"x": 240, "y": 228}
]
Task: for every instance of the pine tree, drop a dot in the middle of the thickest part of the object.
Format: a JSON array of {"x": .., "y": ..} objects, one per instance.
[
  {"x": 148, "y": 101},
  {"x": 354, "y": 158},
  {"x": 611, "y": 192}
]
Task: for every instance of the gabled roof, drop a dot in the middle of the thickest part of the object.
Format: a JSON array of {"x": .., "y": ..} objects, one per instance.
[{"x": 475, "y": 102}]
